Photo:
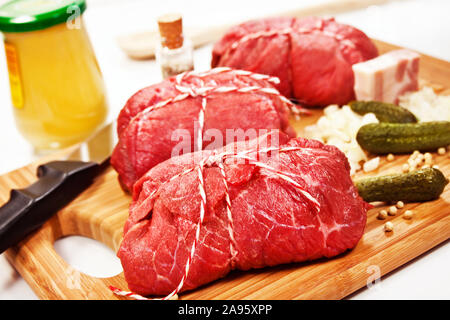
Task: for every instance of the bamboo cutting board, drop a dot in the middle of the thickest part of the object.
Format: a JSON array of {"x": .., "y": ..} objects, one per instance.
[{"x": 101, "y": 210}]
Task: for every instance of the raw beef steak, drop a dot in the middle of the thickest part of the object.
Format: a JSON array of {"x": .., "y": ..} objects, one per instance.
[
  {"x": 193, "y": 104},
  {"x": 313, "y": 57},
  {"x": 296, "y": 204}
]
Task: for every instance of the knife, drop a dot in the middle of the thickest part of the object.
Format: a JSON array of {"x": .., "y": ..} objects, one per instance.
[{"x": 59, "y": 183}]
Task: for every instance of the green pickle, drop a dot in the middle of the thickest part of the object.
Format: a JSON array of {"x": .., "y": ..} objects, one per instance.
[
  {"x": 417, "y": 186},
  {"x": 382, "y": 138},
  {"x": 385, "y": 112}
]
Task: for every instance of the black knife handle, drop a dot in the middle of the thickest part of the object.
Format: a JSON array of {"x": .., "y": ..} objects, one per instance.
[{"x": 27, "y": 209}]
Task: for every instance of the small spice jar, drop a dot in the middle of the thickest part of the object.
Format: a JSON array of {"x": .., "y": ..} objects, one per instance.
[
  {"x": 174, "y": 53},
  {"x": 57, "y": 88}
]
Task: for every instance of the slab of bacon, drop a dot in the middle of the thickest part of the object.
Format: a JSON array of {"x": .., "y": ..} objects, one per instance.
[{"x": 387, "y": 77}]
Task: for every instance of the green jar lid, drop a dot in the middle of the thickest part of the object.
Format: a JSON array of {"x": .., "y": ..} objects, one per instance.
[{"x": 31, "y": 15}]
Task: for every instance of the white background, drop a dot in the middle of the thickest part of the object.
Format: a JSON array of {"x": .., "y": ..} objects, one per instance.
[{"x": 423, "y": 25}]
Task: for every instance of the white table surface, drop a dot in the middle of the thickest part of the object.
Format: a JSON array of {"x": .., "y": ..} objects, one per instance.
[{"x": 422, "y": 25}]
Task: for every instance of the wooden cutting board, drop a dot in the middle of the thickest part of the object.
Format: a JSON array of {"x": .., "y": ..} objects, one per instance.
[{"x": 101, "y": 210}]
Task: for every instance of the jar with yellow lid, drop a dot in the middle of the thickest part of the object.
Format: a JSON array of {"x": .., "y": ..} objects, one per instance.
[{"x": 57, "y": 88}]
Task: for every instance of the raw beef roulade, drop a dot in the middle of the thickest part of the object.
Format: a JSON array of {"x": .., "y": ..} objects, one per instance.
[
  {"x": 194, "y": 104},
  {"x": 312, "y": 57},
  {"x": 196, "y": 217}
]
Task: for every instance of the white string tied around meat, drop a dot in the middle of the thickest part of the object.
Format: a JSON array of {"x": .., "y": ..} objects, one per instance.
[
  {"x": 204, "y": 91},
  {"x": 318, "y": 29},
  {"x": 217, "y": 159},
  {"x": 255, "y": 76}
]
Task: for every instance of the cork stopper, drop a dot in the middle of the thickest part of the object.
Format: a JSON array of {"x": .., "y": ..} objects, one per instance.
[{"x": 171, "y": 30}]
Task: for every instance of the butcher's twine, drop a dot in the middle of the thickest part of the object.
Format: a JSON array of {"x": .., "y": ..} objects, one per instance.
[
  {"x": 318, "y": 29},
  {"x": 217, "y": 159},
  {"x": 203, "y": 91}
]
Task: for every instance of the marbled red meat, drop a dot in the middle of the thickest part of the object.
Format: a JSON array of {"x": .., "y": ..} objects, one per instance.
[
  {"x": 146, "y": 130},
  {"x": 273, "y": 222},
  {"x": 313, "y": 57}
]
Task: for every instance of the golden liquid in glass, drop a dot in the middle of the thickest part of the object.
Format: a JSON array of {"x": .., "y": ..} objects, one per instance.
[{"x": 58, "y": 91}]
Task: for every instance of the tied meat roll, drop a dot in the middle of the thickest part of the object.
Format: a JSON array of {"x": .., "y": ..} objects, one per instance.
[
  {"x": 312, "y": 57},
  {"x": 196, "y": 217},
  {"x": 174, "y": 115}
]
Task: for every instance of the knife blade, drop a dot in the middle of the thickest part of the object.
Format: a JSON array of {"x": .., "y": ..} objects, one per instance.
[{"x": 59, "y": 182}]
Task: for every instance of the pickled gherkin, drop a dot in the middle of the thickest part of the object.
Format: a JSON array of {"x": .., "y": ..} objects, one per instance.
[
  {"x": 385, "y": 112},
  {"x": 382, "y": 138},
  {"x": 417, "y": 186}
]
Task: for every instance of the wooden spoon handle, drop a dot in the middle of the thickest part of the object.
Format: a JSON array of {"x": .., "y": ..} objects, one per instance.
[{"x": 140, "y": 46}]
